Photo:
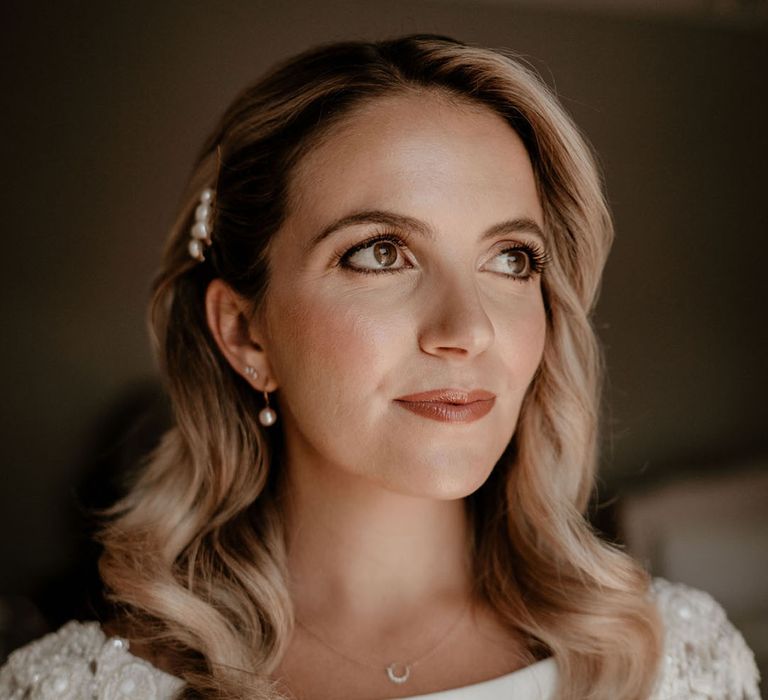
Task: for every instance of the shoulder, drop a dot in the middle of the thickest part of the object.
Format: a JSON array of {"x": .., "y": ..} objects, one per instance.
[
  {"x": 705, "y": 656},
  {"x": 79, "y": 661}
]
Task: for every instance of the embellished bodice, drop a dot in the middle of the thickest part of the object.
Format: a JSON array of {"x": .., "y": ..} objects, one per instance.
[
  {"x": 705, "y": 658},
  {"x": 79, "y": 662}
]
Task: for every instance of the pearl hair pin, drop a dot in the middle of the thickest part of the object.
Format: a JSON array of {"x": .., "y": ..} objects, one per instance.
[
  {"x": 267, "y": 415},
  {"x": 200, "y": 233}
]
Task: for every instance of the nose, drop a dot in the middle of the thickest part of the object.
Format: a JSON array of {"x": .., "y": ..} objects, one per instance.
[{"x": 454, "y": 322}]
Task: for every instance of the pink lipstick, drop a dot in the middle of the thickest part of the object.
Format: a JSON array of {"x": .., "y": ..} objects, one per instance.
[{"x": 450, "y": 405}]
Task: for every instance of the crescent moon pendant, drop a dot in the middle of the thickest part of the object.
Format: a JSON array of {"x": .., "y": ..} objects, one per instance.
[{"x": 393, "y": 675}]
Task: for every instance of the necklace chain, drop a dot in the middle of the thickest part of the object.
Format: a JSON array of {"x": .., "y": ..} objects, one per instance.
[{"x": 396, "y": 672}]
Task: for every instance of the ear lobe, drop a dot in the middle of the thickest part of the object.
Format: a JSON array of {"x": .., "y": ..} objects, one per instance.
[{"x": 227, "y": 316}]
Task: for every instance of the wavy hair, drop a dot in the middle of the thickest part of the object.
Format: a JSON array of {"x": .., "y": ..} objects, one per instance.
[{"x": 195, "y": 554}]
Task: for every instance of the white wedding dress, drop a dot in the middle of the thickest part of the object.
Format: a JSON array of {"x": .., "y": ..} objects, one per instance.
[{"x": 705, "y": 658}]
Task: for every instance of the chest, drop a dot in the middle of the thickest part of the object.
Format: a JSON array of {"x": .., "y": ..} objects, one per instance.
[{"x": 479, "y": 651}]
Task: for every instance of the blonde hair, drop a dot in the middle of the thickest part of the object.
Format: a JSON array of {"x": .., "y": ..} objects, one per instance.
[{"x": 195, "y": 553}]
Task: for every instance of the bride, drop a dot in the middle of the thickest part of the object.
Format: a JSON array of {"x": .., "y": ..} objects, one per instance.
[{"x": 373, "y": 316}]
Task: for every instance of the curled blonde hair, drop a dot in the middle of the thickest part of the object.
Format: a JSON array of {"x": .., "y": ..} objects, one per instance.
[{"x": 195, "y": 553}]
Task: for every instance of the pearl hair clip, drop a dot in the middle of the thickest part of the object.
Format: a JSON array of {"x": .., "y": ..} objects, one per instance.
[{"x": 201, "y": 230}]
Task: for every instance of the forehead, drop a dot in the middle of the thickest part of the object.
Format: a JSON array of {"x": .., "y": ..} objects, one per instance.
[{"x": 411, "y": 150}]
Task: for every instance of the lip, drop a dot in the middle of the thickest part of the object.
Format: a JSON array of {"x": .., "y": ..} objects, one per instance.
[
  {"x": 450, "y": 412},
  {"x": 450, "y": 396},
  {"x": 450, "y": 405}
]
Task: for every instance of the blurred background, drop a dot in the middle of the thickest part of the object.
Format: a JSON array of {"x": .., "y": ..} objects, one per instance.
[{"x": 105, "y": 106}]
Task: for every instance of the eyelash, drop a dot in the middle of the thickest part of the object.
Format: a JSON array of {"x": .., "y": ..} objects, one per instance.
[{"x": 537, "y": 257}]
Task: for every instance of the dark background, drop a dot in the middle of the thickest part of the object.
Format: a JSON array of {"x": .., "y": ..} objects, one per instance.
[{"x": 105, "y": 105}]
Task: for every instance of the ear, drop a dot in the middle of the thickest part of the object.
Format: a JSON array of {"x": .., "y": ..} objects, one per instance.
[{"x": 226, "y": 313}]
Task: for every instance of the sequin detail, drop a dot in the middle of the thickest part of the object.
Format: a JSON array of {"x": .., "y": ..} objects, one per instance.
[
  {"x": 705, "y": 656},
  {"x": 78, "y": 662}
]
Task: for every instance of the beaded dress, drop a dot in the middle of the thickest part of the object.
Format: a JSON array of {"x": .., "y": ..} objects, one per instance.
[{"x": 705, "y": 658}]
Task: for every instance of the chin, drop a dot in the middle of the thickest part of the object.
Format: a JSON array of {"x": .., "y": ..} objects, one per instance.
[{"x": 440, "y": 486}]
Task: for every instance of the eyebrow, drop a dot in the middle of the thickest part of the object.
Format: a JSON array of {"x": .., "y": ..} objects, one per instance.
[{"x": 377, "y": 216}]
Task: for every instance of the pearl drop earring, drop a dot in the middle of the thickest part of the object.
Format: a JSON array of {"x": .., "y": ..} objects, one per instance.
[{"x": 267, "y": 415}]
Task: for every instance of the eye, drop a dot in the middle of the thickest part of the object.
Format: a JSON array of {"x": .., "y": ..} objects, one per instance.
[
  {"x": 374, "y": 255},
  {"x": 522, "y": 261},
  {"x": 378, "y": 254}
]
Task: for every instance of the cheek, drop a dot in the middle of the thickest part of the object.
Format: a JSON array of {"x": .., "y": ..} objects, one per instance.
[
  {"x": 330, "y": 351},
  {"x": 523, "y": 338}
]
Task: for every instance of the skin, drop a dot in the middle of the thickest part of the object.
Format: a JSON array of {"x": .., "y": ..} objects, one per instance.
[{"x": 376, "y": 523}]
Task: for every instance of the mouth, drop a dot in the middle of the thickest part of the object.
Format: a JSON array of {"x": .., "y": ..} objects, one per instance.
[{"x": 449, "y": 405}]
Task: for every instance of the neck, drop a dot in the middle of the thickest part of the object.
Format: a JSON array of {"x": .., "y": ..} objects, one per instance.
[{"x": 359, "y": 551}]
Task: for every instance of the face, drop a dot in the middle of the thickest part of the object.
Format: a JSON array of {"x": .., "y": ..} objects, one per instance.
[{"x": 433, "y": 282}]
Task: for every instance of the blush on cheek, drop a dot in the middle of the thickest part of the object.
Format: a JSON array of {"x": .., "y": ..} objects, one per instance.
[
  {"x": 330, "y": 349},
  {"x": 522, "y": 357},
  {"x": 540, "y": 335}
]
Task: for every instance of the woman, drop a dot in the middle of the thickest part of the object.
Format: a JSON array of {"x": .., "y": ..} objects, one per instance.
[{"x": 374, "y": 320}]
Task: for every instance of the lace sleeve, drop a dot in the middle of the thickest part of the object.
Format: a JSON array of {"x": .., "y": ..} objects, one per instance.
[
  {"x": 79, "y": 663},
  {"x": 705, "y": 656}
]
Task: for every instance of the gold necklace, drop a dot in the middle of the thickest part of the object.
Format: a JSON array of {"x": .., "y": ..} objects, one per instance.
[{"x": 397, "y": 672}]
